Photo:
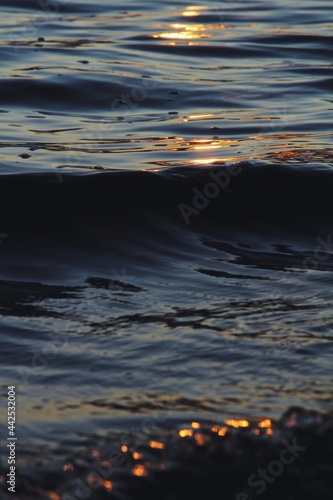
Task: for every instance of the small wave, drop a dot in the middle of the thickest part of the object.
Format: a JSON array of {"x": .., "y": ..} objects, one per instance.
[{"x": 235, "y": 459}]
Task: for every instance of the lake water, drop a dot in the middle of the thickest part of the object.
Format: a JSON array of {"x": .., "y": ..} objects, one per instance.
[{"x": 166, "y": 219}]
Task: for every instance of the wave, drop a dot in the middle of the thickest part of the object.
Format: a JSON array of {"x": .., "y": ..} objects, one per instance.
[
  {"x": 270, "y": 216},
  {"x": 257, "y": 198},
  {"x": 235, "y": 459}
]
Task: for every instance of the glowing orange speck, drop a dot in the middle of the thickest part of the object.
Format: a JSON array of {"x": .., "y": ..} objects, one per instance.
[
  {"x": 139, "y": 470},
  {"x": 181, "y": 35},
  {"x": 237, "y": 423},
  {"x": 199, "y": 439},
  {"x": 190, "y": 13},
  {"x": 107, "y": 485},
  {"x": 53, "y": 495},
  {"x": 222, "y": 431},
  {"x": 95, "y": 453},
  {"x": 195, "y": 425},
  {"x": 265, "y": 423},
  {"x": 185, "y": 432},
  {"x": 156, "y": 444},
  {"x": 269, "y": 431},
  {"x": 124, "y": 448},
  {"x": 137, "y": 455}
]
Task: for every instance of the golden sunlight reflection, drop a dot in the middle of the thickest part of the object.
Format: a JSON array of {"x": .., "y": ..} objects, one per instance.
[
  {"x": 190, "y": 30},
  {"x": 199, "y": 431},
  {"x": 193, "y": 10},
  {"x": 185, "y": 432},
  {"x": 190, "y": 13},
  {"x": 265, "y": 423},
  {"x": 187, "y": 34},
  {"x": 281, "y": 137},
  {"x": 237, "y": 423},
  {"x": 157, "y": 445},
  {"x": 221, "y": 431},
  {"x": 139, "y": 470},
  {"x": 210, "y": 145},
  {"x": 107, "y": 484},
  {"x": 136, "y": 455},
  {"x": 208, "y": 161},
  {"x": 204, "y": 144},
  {"x": 197, "y": 117}
]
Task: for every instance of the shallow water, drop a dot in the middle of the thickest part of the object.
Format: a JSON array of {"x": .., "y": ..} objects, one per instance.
[{"x": 166, "y": 214}]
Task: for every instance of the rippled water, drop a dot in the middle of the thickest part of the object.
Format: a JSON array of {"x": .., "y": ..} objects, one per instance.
[{"x": 166, "y": 215}]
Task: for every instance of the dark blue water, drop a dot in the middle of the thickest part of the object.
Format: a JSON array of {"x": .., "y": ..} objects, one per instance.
[{"x": 166, "y": 221}]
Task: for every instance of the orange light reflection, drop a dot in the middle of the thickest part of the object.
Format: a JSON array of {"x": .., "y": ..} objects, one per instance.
[
  {"x": 139, "y": 470},
  {"x": 199, "y": 439},
  {"x": 190, "y": 13},
  {"x": 265, "y": 423},
  {"x": 53, "y": 496},
  {"x": 185, "y": 432},
  {"x": 156, "y": 444},
  {"x": 181, "y": 35},
  {"x": 107, "y": 485},
  {"x": 221, "y": 431},
  {"x": 237, "y": 423}
]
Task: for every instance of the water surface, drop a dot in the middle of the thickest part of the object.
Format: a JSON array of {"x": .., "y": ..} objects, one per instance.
[{"x": 126, "y": 295}]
